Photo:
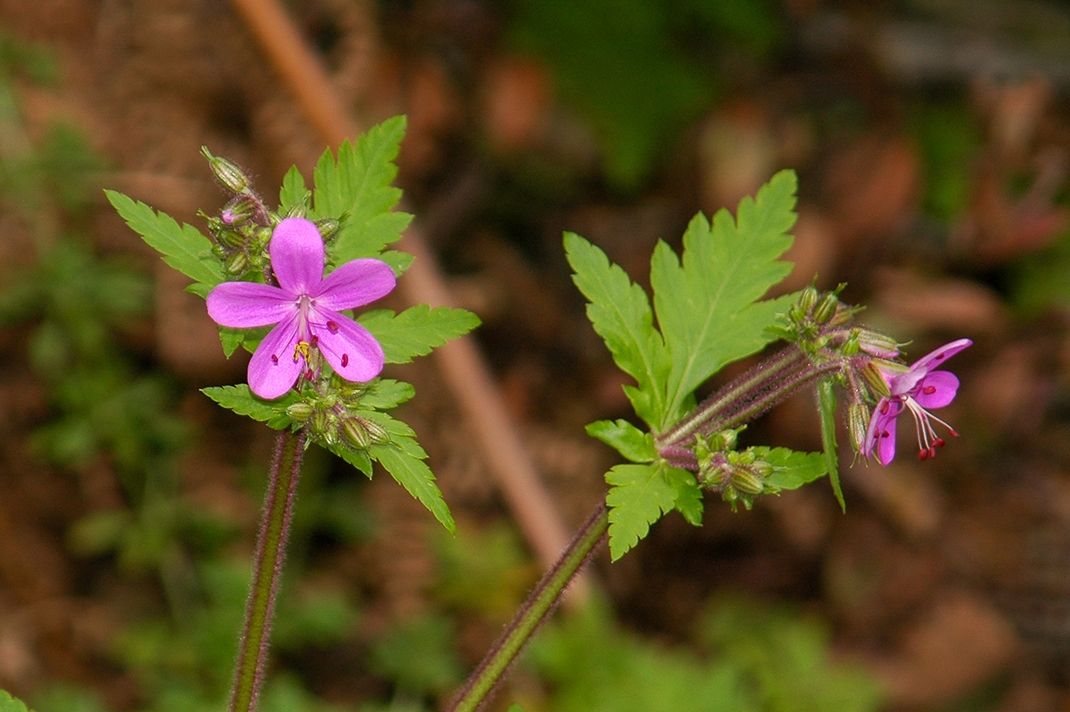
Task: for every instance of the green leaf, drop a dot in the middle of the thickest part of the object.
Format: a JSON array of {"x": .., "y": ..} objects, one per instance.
[
  {"x": 705, "y": 304},
  {"x": 625, "y": 438},
  {"x": 826, "y": 400},
  {"x": 182, "y": 247},
  {"x": 415, "y": 476},
  {"x": 688, "y": 494},
  {"x": 231, "y": 339},
  {"x": 792, "y": 469},
  {"x": 640, "y": 495},
  {"x": 620, "y": 313},
  {"x": 11, "y": 704},
  {"x": 357, "y": 184},
  {"x": 417, "y": 330},
  {"x": 386, "y": 393},
  {"x": 243, "y": 402},
  {"x": 357, "y": 458},
  {"x": 293, "y": 190}
]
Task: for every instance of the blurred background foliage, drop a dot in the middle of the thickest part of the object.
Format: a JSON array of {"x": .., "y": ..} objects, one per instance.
[{"x": 932, "y": 143}]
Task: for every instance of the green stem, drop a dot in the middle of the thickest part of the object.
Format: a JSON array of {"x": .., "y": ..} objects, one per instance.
[
  {"x": 267, "y": 570},
  {"x": 535, "y": 610}
]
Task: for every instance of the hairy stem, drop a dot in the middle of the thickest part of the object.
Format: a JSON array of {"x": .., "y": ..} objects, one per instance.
[
  {"x": 535, "y": 610},
  {"x": 267, "y": 570}
]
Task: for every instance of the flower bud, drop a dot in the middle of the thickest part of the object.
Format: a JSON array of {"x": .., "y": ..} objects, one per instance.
[
  {"x": 226, "y": 172},
  {"x": 236, "y": 264},
  {"x": 300, "y": 412},
  {"x": 857, "y": 424},
  {"x": 378, "y": 433},
  {"x": 320, "y": 422},
  {"x": 826, "y": 308},
  {"x": 356, "y": 433},
  {"x": 808, "y": 299},
  {"x": 746, "y": 481},
  {"x": 329, "y": 228},
  {"x": 230, "y": 238},
  {"x": 874, "y": 375},
  {"x": 876, "y": 344}
]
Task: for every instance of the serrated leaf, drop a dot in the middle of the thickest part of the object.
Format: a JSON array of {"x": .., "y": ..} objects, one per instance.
[
  {"x": 704, "y": 301},
  {"x": 386, "y": 393},
  {"x": 242, "y": 401},
  {"x": 620, "y": 312},
  {"x": 358, "y": 184},
  {"x": 357, "y": 458},
  {"x": 826, "y": 402},
  {"x": 625, "y": 438},
  {"x": 417, "y": 330},
  {"x": 293, "y": 190},
  {"x": 640, "y": 495},
  {"x": 181, "y": 246},
  {"x": 688, "y": 494},
  {"x": 792, "y": 469},
  {"x": 415, "y": 476},
  {"x": 230, "y": 339},
  {"x": 8, "y": 703}
]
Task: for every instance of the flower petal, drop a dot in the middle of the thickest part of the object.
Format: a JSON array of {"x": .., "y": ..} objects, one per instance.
[
  {"x": 355, "y": 284},
  {"x": 907, "y": 383},
  {"x": 352, "y": 351},
  {"x": 243, "y": 305},
  {"x": 937, "y": 389},
  {"x": 880, "y": 437},
  {"x": 273, "y": 369},
  {"x": 296, "y": 250}
]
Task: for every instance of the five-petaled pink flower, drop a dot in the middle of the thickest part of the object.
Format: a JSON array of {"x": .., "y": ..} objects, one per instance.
[
  {"x": 306, "y": 308},
  {"x": 918, "y": 390}
]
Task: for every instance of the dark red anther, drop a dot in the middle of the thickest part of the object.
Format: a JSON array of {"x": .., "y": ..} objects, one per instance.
[
  {"x": 923, "y": 454},
  {"x": 314, "y": 341},
  {"x": 884, "y": 407},
  {"x": 939, "y": 442},
  {"x": 332, "y": 326},
  {"x": 929, "y": 390},
  {"x": 345, "y": 360},
  {"x": 275, "y": 359}
]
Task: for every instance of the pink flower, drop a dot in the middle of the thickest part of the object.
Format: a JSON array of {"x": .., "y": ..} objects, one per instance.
[
  {"x": 919, "y": 389},
  {"x": 306, "y": 308}
]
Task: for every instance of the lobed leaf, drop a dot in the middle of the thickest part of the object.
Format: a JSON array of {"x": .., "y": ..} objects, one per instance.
[
  {"x": 386, "y": 393},
  {"x": 792, "y": 469},
  {"x": 705, "y": 302},
  {"x": 182, "y": 246},
  {"x": 625, "y": 438},
  {"x": 8, "y": 703},
  {"x": 358, "y": 185},
  {"x": 620, "y": 313},
  {"x": 293, "y": 191},
  {"x": 417, "y": 330},
  {"x": 415, "y": 476},
  {"x": 640, "y": 495},
  {"x": 243, "y": 401}
]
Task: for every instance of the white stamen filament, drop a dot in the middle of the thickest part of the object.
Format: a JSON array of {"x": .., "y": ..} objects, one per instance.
[{"x": 928, "y": 440}]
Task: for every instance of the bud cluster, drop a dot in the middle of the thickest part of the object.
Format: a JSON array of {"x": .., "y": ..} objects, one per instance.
[
  {"x": 739, "y": 476},
  {"x": 243, "y": 229},
  {"x": 335, "y": 416}
]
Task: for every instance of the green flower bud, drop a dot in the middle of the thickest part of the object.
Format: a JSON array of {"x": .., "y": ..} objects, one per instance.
[
  {"x": 826, "y": 308},
  {"x": 356, "y": 433},
  {"x": 226, "y": 172},
  {"x": 857, "y": 424},
  {"x": 329, "y": 228},
  {"x": 378, "y": 433},
  {"x": 746, "y": 481},
  {"x": 230, "y": 238},
  {"x": 320, "y": 423},
  {"x": 236, "y": 264},
  {"x": 300, "y": 412}
]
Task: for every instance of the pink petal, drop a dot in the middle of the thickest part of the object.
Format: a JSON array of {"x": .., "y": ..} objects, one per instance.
[
  {"x": 936, "y": 358},
  {"x": 296, "y": 250},
  {"x": 880, "y": 436},
  {"x": 936, "y": 390},
  {"x": 355, "y": 284},
  {"x": 273, "y": 370},
  {"x": 243, "y": 305},
  {"x": 352, "y": 351}
]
